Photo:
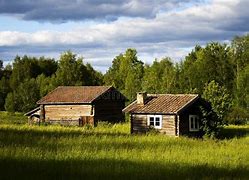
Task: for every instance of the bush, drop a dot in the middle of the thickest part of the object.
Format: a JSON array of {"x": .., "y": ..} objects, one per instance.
[
  {"x": 152, "y": 130},
  {"x": 238, "y": 116}
]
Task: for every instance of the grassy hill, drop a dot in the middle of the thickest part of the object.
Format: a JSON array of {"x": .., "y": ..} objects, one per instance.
[{"x": 110, "y": 152}]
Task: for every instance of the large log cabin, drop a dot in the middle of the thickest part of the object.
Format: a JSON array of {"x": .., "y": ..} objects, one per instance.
[
  {"x": 170, "y": 114},
  {"x": 80, "y": 105}
]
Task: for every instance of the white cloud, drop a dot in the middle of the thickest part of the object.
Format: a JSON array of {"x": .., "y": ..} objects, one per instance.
[{"x": 170, "y": 33}]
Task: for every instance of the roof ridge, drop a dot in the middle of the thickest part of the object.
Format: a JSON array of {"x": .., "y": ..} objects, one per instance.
[
  {"x": 93, "y": 93},
  {"x": 163, "y": 103},
  {"x": 81, "y": 86},
  {"x": 172, "y": 94}
]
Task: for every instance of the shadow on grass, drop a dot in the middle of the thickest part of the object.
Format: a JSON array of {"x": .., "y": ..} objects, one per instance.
[
  {"x": 113, "y": 169},
  {"x": 49, "y": 140},
  {"x": 58, "y": 133},
  {"x": 234, "y": 132}
]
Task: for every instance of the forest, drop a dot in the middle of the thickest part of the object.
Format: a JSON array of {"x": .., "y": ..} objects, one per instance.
[{"x": 218, "y": 72}]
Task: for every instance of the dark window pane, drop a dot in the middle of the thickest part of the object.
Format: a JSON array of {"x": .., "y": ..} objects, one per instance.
[
  {"x": 192, "y": 122},
  {"x": 157, "y": 123},
  {"x": 196, "y": 123},
  {"x": 151, "y": 121}
]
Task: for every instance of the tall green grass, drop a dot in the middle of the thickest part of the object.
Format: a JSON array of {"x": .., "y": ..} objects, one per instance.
[
  {"x": 110, "y": 152},
  {"x": 12, "y": 118}
]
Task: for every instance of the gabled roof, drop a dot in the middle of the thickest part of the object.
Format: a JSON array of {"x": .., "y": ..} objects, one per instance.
[
  {"x": 32, "y": 111},
  {"x": 74, "y": 94},
  {"x": 162, "y": 103}
]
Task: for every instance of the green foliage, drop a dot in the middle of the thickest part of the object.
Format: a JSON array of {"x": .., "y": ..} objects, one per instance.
[
  {"x": 240, "y": 47},
  {"x": 242, "y": 92},
  {"x": 70, "y": 70},
  {"x": 27, "y": 94},
  {"x": 4, "y": 90},
  {"x": 44, "y": 84},
  {"x": 93, "y": 77},
  {"x": 10, "y": 104},
  {"x": 110, "y": 152},
  {"x": 23, "y": 98},
  {"x": 160, "y": 77},
  {"x": 126, "y": 73},
  {"x": 202, "y": 65},
  {"x": 213, "y": 118},
  {"x": 210, "y": 123},
  {"x": 219, "y": 98},
  {"x": 31, "y": 78},
  {"x": 238, "y": 116}
]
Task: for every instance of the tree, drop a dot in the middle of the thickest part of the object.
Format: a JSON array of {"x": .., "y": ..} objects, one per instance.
[
  {"x": 240, "y": 47},
  {"x": 1, "y": 69},
  {"x": 4, "y": 84},
  {"x": 242, "y": 92},
  {"x": 160, "y": 77},
  {"x": 45, "y": 84},
  {"x": 112, "y": 76},
  {"x": 92, "y": 77},
  {"x": 133, "y": 82},
  {"x": 10, "y": 104},
  {"x": 24, "y": 98},
  {"x": 125, "y": 69},
  {"x": 23, "y": 68},
  {"x": 202, "y": 65},
  {"x": 219, "y": 99},
  {"x": 47, "y": 66},
  {"x": 4, "y": 90},
  {"x": 27, "y": 94},
  {"x": 213, "y": 117},
  {"x": 69, "y": 70}
]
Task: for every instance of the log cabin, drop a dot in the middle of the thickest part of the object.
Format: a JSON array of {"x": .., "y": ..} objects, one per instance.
[
  {"x": 170, "y": 114},
  {"x": 80, "y": 105}
]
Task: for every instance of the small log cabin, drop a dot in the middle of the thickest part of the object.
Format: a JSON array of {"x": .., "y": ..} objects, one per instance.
[
  {"x": 80, "y": 105},
  {"x": 170, "y": 114}
]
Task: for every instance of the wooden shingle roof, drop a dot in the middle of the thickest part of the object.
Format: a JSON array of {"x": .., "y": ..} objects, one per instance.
[
  {"x": 162, "y": 103},
  {"x": 74, "y": 94}
]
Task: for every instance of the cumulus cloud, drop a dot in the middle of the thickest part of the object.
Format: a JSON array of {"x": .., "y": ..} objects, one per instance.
[
  {"x": 165, "y": 33},
  {"x": 64, "y": 10}
]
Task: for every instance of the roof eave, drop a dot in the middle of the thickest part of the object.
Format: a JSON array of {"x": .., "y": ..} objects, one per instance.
[
  {"x": 32, "y": 111},
  {"x": 56, "y": 103},
  {"x": 188, "y": 104},
  {"x": 125, "y": 109}
]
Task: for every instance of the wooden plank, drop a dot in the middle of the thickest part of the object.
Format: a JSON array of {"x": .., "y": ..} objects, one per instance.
[{"x": 64, "y": 112}]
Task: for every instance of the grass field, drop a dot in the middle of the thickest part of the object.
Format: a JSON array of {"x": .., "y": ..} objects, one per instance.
[{"x": 110, "y": 152}]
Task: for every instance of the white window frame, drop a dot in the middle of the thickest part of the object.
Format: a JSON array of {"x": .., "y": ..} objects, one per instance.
[
  {"x": 155, "y": 116},
  {"x": 196, "y": 125}
]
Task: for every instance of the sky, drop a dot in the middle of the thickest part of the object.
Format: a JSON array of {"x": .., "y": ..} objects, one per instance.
[{"x": 99, "y": 30}]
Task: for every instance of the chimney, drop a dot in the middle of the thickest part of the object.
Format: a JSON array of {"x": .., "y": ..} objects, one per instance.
[{"x": 141, "y": 97}]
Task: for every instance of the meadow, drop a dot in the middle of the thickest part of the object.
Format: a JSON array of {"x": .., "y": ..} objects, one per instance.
[{"x": 110, "y": 152}]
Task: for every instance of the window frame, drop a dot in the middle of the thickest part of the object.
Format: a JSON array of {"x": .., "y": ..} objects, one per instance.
[
  {"x": 154, "y": 120},
  {"x": 196, "y": 123}
]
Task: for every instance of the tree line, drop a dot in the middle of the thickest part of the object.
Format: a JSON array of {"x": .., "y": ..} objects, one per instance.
[{"x": 219, "y": 72}]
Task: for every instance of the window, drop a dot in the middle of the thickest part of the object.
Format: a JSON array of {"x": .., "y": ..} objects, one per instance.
[
  {"x": 193, "y": 123},
  {"x": 155, "y": 121}
]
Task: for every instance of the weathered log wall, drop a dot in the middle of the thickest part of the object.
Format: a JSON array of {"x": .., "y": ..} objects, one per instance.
[
  {"x": 67, "y": 112},
  {"x": 139, "y": 124}
]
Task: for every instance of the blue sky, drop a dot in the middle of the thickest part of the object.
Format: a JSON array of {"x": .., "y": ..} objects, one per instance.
[{"x": 99, "y": 30}]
